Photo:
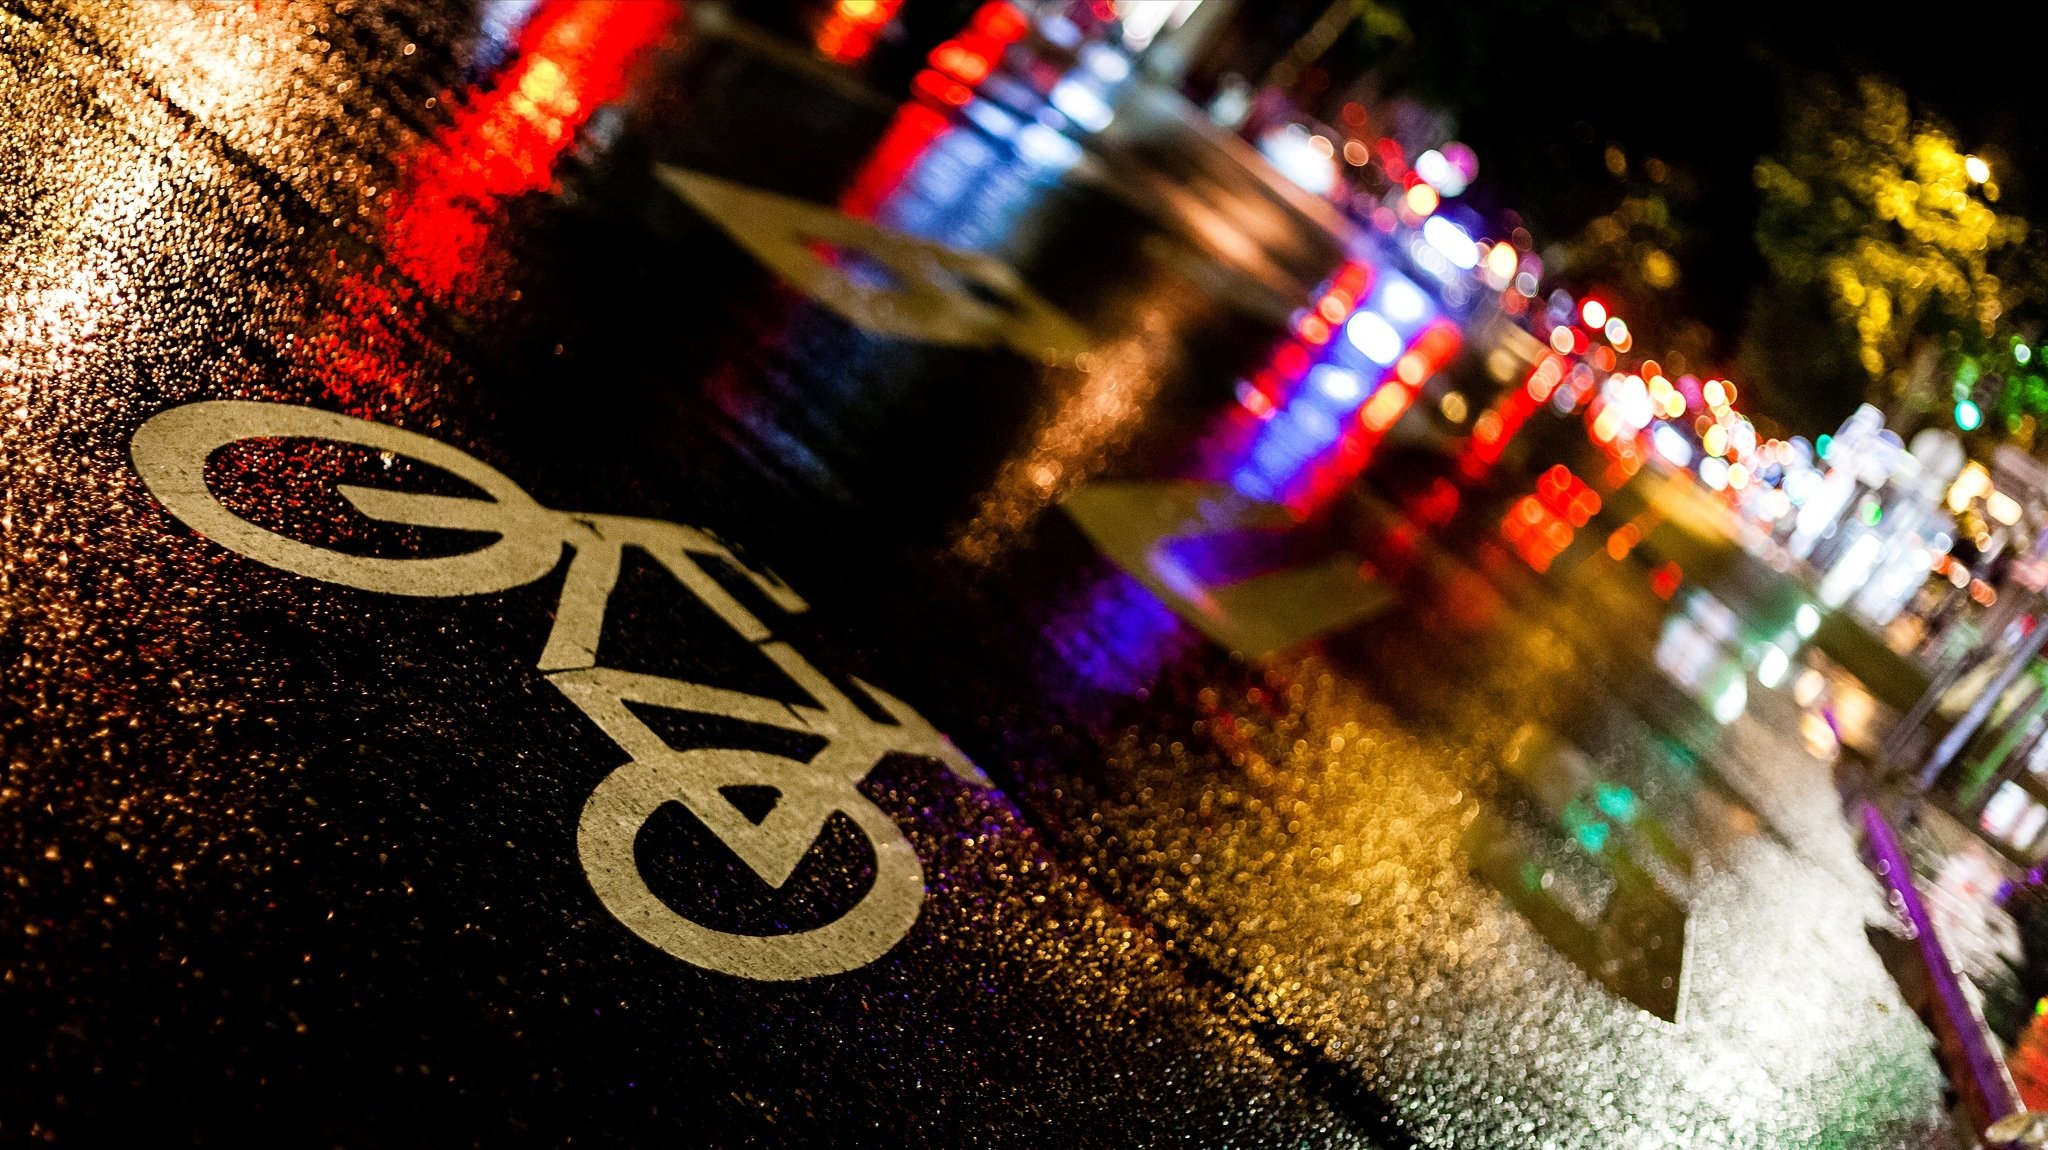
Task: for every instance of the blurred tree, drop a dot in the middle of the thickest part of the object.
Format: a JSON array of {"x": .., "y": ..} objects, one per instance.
[{"x": 1883, "y": 217}]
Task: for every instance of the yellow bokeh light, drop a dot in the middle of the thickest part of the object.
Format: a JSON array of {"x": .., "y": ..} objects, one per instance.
[
  {"x": 1973, "y": 481},
  {"x": 1502, "y": 261},
  {"x": 2002, "y": 507}
]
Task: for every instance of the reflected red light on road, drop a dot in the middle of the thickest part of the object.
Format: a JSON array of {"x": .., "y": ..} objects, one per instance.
[
  {"x": 505, "y": 141},
  {"x": 1385, "y": 406},
  {"x": 1558, "y": 486},
  {"x": 365, "y": 352},
  {"x": 1428, "y": 354},
  {"x": 1540, "y": 527},
  {"x": 1436, "y": 345},
  {"x": 1535, "y": 535},
  {"x": 502, "y": 142},
  {"x": 848, "y": 34},
  {"x": 1583, "y": 508},
  {"x": 1623, "y": 541},
  {"x": 1256, "y": 402},
  {"x": 1488, "y": 429},
  {"x": 1666, "y": 579},
  {"x": 1496, "y": 427},
  {"x": 1290, "y": 362},
  {"x": 1001, "y": 22},
  {"x": 942, "y": 89},
  {"x": 968, "y": 59},
  {"x": 1545, "y": 378},
  {"x": 1392, "y": 158},
  {"x": 903, "y": 143},
  {"x": 960, "y": 64},
  {"x": 1436, "y": 506},
  {"x": 1351, "y": 281}
]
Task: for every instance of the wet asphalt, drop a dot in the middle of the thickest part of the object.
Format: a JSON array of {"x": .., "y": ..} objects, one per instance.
[{"x": 292, "y": 859}]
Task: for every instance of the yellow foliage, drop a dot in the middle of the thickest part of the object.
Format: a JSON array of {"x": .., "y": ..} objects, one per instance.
[{"x": 1881, "y": 211}]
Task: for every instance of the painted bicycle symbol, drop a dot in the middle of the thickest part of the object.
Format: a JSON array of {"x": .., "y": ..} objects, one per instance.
[{"x": 171, "y": 450}]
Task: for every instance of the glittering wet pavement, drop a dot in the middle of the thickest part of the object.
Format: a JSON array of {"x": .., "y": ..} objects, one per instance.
[{"x": 292, "y": 859}]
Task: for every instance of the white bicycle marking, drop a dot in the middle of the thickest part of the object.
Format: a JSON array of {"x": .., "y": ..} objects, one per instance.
[{"x": 170, "y": 453}]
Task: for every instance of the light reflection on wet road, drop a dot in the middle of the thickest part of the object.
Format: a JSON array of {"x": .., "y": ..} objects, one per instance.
[
  {"x": 300, "y": 858},
  {"x": 1305, "y": 837}
]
